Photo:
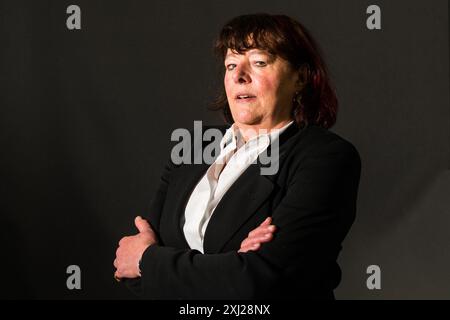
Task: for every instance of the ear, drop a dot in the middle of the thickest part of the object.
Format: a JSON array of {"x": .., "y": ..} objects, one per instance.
[{"x": 303, "y": 75}]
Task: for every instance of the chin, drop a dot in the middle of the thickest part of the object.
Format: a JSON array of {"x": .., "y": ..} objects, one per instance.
[
  {"x": 245, "y": 117},
  {"x": 245, "y": 120}
]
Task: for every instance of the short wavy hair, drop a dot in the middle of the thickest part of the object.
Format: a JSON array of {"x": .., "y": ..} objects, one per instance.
[{"x": 287, "y": 38}]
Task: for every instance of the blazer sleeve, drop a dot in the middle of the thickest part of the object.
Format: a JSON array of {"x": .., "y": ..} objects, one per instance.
[
  {"x": 154, "y": 216},
  {"x": 313, "y": 218},
  {"x": 157, "y": 203}
]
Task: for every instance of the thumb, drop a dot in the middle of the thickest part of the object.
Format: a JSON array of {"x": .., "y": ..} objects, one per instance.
[
  {"x": 266, "y": 222},
  {"x": 141, "y": 224}
]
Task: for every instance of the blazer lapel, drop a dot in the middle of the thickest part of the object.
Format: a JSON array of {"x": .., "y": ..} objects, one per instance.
[
  {"x": 187, "y": 178},
  {"x": 238, "y": 204}
]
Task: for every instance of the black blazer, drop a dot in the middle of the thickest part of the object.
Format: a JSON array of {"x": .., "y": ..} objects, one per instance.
[{"x": 312, "y": 200}]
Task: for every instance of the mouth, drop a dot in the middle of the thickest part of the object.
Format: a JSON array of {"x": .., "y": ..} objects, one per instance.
[{"x": 245, "y": 97}]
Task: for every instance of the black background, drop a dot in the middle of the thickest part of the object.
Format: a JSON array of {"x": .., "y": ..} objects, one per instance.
[{"x": 86, "y": 117}]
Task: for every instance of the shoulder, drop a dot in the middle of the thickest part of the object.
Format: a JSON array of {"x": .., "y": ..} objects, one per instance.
[
  {"x": 321, "y": 138},
  {"x": 317, "y": 142}
]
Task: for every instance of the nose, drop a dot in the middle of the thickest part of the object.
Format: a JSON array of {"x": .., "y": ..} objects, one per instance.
[{"x": 241, "y": 75}]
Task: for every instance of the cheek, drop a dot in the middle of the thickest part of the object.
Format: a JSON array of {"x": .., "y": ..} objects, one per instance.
[
  {"x": 267, "y": 87},
  {"x": 227, "y": 83}
]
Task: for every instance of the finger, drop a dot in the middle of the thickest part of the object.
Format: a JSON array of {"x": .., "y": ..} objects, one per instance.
[
  {"x": 142, "y": 224},
  {"x": 257, "y": 232},
  {"x": 258, "y": 229},
  {"x": 245, "y": 242},
  {"x": 266, "y": 222},
  {"x": 243, "y": 250},
  {"x": 266, "y": 237},
  {"x": 261, "y": 230},
  {"x": 247, "y": 248},
  {"x": 249, "y": 242},
  {"x": 118, "y": 252},
  {"x": 245, "y": 245},
  {"x": 118, "y": 276},
  {"x": 262, "y": 239},
  {"x": 122, "y": 241}
]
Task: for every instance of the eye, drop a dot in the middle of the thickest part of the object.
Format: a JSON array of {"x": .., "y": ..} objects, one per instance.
[
  {"x": 230, "y": 66},
  {"x": 260, "y": 63}
]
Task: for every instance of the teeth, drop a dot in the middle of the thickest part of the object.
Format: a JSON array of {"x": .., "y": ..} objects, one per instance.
[{"x": 243, "y": 97}]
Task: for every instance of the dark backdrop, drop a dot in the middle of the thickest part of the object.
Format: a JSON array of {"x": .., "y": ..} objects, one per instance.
[{"x": 86, "y": 117}]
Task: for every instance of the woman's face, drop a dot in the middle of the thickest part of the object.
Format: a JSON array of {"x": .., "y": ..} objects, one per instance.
[{"x": 260, "y": 88}]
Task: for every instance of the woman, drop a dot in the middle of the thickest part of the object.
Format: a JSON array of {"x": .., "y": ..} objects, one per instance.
[{"x": 226, "y": 231}]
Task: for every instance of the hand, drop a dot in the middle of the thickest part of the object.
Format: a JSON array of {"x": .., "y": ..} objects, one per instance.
[
  {"x": 263, "y": 233},
  {"x": 131, "y": 249}
]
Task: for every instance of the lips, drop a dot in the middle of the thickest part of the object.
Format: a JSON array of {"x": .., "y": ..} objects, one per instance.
[{"x": 244, "y": 96}]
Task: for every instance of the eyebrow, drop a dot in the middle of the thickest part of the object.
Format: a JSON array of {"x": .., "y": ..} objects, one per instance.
[{"x": 257, "y": 51}]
